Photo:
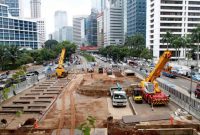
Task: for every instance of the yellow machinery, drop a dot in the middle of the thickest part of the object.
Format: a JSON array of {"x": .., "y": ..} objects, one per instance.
[
  {"x": 150, "y": 89},
  {"x": 60, "y": 71},
  {"x": 137, "y": 95}
]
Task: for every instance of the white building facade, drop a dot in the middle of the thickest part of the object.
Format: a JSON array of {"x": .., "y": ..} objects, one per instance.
[
  {"x": 60, "y": 18},
  {"x": 176, "y": 16},
  {"x": 114, "y": 23},
  {"x": 79, "y": 30},
  {"x": 67, "y": 33},
  {"x": 35, "y": 8}
]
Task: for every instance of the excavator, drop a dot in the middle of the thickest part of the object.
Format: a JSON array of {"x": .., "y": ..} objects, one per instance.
[
  {"x": 60, "y": 70},
  {"x": 150, "y": 89}
]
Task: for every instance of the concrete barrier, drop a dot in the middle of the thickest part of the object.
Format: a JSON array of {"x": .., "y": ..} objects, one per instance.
[{"x": 17, "y": 88}]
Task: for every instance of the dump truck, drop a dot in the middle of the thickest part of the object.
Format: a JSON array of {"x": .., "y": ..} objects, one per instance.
[{"x": 118, "y": 96}]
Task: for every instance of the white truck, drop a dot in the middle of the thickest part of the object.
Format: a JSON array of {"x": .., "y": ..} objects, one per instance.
[{"x": 118, "y": 96}]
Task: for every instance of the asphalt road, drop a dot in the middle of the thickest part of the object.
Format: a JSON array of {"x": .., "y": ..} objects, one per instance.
[{"x": 183, "y": 83}]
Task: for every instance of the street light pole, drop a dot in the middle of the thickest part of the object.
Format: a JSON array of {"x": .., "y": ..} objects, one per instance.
[{"x": 192, "y": 67}]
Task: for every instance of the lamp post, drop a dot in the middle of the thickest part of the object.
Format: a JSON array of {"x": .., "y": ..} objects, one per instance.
[{"x": 192, "y": 67}]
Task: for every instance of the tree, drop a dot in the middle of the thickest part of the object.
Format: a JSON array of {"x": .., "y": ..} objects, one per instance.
[
  {"x": 50, "y": 44},
  {"x": 13, "y": 53},
  {"x": 196, "y": 39},
  {"x": 177, "y": 43},
  {"x": 167, "y": 38},
  {"x": 146, "y": 54}
]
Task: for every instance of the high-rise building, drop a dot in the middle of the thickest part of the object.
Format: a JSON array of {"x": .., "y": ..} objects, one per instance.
[
  {"x": 19, "y": 32},
  {"x": 98, "y": 5},
  {"x": 125, "y": 18},
  {"x": 113, "y": 23},
  {"x": 67, "y": 33},
  {"x": 60, "y": 19},
  {"x": 91, "y": 28},
  {"x": 35, "y": 8},
  {"x": 13, "y": 7},
  {"x": 176, "y": 16},
  {"x": 79, "y": 23},
  {"x": 100, "y": 30},
  {"x": 41, "y": 31},
  {"x": 136, "y": 17}
]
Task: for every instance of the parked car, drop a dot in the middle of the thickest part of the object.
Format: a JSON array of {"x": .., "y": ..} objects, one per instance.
[
  {"x": 3, "y": 76},
  {"x": 19, "y": 79},
  {"x": 33, "y": 73},
  {"x": 5, "y": 83},
  {"x": 196, "y": 77},
  {"x": 197, "y": 91}
]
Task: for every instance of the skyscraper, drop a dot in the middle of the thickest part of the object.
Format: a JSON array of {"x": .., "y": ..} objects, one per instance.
[
  {"x": 113, "y": 23},
  {"x": 91, "y": 28},
  {"x": 35, "y": 8},
  {"x": 177, "y": 16},
  {"x": 60, "y": 19},
  {"x": 98, "y": 5},
  {"x": 13, "y": 7},
  {"x": 136, "y": 17},
  {"x": 79, "y": 23}
]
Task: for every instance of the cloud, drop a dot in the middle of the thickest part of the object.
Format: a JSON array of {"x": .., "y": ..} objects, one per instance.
[{"x": 73, "y": 7}]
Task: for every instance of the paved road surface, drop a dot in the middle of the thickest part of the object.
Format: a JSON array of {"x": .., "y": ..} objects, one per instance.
[
  {"x": 118, "y": 112},
  {"x": 183, "y": 83}
]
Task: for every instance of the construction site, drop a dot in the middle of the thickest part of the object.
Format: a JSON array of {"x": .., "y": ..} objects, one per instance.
[{"x": 60, "y": 106}]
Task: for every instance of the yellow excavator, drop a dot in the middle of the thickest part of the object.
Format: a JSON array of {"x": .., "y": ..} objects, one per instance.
[{"x": 60, "y": 70}]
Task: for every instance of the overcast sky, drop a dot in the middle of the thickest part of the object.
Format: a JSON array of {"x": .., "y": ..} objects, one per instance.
[{"x": 73, "y": 7}]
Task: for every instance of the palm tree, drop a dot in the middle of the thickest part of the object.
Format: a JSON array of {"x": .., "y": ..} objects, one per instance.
[
  {"x": 188, "y": 44},
  {"x": 167, "y": 38},
  {"x": 196, "y": 39},
  {"x": 177, "y": 42}
]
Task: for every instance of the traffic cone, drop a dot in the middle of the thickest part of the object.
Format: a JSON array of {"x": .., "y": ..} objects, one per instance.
[
  {"x": 171, "y": 120},
  {"x": 36, "y": 124}
]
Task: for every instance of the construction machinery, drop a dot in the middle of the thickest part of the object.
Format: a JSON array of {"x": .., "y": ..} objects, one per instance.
[
  {"x": 118, "y": 96},
  {"x": 137, "y": 95},
  {"x": 60, "y": 70},
  {"x": 150, "y": 89}
]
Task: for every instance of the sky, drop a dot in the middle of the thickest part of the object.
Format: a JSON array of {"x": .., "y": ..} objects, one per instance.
[{"x": 73, "y": 7}]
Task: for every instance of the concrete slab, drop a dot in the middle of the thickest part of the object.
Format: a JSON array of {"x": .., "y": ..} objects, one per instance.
[{"x": 118, "y": 112}]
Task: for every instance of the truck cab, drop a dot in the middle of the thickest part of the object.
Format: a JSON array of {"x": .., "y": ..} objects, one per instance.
[
  {"x": 118, "y": 96},
  {"x": 197, "y": 91}
]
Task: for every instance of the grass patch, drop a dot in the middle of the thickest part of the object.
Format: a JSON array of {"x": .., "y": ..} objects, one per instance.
[{"x": 88, "y": 57}]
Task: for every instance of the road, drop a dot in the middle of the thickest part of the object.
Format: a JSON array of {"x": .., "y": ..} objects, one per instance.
[{"x": 183, "y": 83}]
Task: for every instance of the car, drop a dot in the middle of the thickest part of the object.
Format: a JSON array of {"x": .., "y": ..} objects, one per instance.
[
  {"x": 3, "y": 76},
  {"x": 33, "y": 73},
  {"x": 196, "y": 77},
  {"x": 5, "y": 83}
]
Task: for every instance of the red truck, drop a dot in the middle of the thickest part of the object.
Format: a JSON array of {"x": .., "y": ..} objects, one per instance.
[{"x": 197, "y": 91}]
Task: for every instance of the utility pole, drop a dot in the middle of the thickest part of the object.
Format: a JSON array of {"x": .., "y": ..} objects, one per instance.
[{"x": 190, "y": 91}]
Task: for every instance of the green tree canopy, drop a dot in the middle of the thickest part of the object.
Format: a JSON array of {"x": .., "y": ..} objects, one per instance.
[{"x": 50, "y": 44}]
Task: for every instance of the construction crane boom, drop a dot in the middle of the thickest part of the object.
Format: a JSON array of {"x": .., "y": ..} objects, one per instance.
[
  {"x": 159, "y": 66},
  {"x": 60, "y": 71},
  {"x": 150, "y": 89}
]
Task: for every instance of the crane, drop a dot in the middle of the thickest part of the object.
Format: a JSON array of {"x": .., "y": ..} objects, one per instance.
[
  {"x": 150, "y": 89},
  {"x": 60, "y": 71}
]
